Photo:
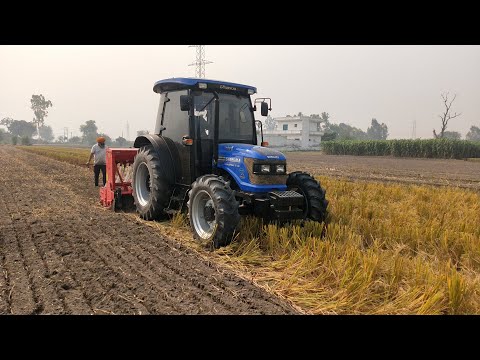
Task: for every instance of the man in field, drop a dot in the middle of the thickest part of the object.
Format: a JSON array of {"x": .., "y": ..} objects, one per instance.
[{"x": 98, "y": 151}]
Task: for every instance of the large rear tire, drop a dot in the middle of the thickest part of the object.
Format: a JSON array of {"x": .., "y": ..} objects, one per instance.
[
  {"x": 213, "y": 211},
  {"x": 151, "y": 191},
  {"x": 315, "y": 204}
]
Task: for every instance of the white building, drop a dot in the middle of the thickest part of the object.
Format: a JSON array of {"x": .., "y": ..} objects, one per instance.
[{"x": 295, "y": 132}]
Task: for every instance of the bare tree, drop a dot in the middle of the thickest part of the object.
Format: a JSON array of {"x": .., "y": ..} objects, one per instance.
[{"x": 446, "y": 116}]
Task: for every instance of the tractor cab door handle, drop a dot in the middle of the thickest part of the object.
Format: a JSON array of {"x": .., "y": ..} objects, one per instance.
[{"x": 187, "y": 141}]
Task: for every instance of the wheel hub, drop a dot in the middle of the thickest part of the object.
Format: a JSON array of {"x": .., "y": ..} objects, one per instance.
[
  {"x": 143, "y": 184},
  {"x": 203, "y": 214},
  {"x": 209, "y": 213}
]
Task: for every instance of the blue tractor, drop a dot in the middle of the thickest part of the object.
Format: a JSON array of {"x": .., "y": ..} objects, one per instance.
[{"x": 204, "y": 157}]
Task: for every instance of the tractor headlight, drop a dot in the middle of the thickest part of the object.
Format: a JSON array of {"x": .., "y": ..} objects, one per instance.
[
  {"x": 265, "y": 169},
  {"x": 269, "y": 169}
]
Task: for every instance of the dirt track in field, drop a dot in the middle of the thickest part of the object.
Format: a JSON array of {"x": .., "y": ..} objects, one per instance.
[
  {"x": 61, "y": 253},
  {"x": 460, "y": 173}
]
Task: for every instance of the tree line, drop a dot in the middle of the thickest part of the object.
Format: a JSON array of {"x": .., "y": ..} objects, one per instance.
[
  {"x": 340, "y": 131},
  {"x": 377, "y": 131},
  {"x": 24, "y": 130},
  {"x": 36, "y": 131},
  {"x": 344, "y": 131}
]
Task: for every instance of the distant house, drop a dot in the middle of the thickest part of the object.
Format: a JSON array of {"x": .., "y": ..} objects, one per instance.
[{"x": 300, "y": 132}]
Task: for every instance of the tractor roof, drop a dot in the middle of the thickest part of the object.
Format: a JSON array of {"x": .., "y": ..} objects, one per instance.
[{"x": 185, "y": 83}]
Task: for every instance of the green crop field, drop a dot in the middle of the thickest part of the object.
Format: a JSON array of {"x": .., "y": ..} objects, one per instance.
[{"x": 433, "y": 148}]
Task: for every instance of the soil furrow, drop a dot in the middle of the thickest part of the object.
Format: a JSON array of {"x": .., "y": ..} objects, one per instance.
[
  {"x": 4, "y": 278},
  {"x": 20, "y": 294},
  {"x": 61, "y": 252},
  {"x": 66, "y": 283},
  {"x": 46, "y": 299}
]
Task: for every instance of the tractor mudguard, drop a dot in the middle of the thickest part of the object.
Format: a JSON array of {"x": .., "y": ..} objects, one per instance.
[{"x": 167, "y": 153}]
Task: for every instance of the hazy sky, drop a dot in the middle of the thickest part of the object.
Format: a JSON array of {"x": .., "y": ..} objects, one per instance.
[{"x": 113, "y": 84}]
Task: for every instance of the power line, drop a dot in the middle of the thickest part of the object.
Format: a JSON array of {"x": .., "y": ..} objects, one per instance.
[{"x": 200, "y": 61}]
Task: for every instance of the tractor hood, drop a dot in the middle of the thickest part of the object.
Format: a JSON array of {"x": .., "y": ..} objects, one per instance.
[
  {"x": 249, "y": 151},
  {"x": 233, "y": 158}
]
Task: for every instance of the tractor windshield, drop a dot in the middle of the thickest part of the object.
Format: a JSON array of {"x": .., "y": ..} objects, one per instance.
[{"x": 236, "y": 122}]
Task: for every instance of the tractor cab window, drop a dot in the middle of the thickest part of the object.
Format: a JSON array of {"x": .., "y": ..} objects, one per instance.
[
  {"x": 236, "y": 119},
  {"x": 204, "y": 115},
  {"x": 236, "y": 123},
  {"x": 204, "y": 123},
  {"x": 175, "y": 121}
]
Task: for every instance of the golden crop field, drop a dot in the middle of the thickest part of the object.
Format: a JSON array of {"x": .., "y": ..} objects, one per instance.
[
  {"x": 387, "y": 249},
  {"x": 75, "y": 156}
]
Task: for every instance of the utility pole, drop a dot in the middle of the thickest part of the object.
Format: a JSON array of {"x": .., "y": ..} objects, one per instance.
[
  {"x": 414, "y": 129},
  {"x": 200, "y": 61},
  {"x": 128, "y": 132},
  {"x": 65, "y": 134}
]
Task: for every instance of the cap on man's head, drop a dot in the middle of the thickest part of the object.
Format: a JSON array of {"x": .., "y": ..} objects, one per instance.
[{"x": 101, "y": 140}]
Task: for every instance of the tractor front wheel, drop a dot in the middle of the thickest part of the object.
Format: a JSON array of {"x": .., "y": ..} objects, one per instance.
[
  {"x": 315, "y": 204},
  {"x": 213, "y": 210}
]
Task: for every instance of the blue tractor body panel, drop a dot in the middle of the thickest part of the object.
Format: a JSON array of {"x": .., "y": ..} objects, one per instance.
[{"x": 231, "y": 159}]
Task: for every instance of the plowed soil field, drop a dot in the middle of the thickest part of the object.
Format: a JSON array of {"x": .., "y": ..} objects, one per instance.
[
  {"x": 62, "y": 253},
  {"x": 440, "y": 172}
]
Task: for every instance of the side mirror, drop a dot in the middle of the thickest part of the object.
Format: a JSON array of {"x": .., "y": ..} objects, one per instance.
[
  {"x": 184, "y": 103},
  {"x": 264, "y": 109}
]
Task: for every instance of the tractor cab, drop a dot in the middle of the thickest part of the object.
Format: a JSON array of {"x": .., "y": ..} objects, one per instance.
[
  {"x": 204, "y": 156},
  {"x": 199, "y": 115}
]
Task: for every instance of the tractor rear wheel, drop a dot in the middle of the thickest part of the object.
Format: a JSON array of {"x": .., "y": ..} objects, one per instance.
[
  {"x": 315, "y": 204},
  {"x": 213, "y": 210},
  {"x": 151, "y": 192}
]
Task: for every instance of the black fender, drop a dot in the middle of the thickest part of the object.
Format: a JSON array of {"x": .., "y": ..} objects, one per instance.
[{"x": 167, "y": 152}]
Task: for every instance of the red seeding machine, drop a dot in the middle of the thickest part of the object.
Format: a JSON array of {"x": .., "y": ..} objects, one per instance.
[{"x": 117, "y": 192}]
